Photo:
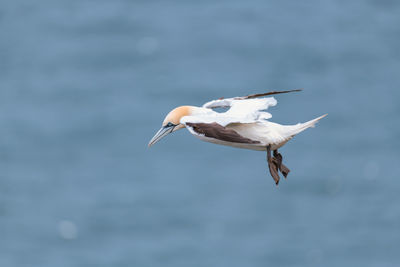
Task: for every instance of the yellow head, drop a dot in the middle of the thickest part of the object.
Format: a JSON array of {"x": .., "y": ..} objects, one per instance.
[{"x": 171, "y": 123}]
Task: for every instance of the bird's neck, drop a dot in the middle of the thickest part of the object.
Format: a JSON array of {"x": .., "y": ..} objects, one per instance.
[{"x": 198, "y": 111}]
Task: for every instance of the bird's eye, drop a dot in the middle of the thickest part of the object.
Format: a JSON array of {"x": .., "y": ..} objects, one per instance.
[{"x": 169, "y": 124}]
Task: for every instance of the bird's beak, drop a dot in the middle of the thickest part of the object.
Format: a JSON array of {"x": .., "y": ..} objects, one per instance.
[{"x": 160, "y": 134}]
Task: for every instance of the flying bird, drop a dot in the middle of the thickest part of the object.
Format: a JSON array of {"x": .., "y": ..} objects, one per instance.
[{"x": 245, "y": 124}]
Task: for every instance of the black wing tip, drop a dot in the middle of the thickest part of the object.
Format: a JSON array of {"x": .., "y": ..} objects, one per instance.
[{"x": 273, "y": 93}]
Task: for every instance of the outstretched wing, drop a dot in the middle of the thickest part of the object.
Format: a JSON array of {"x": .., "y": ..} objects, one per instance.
[
  {"x": 245, "y": 109},
  {"x": 227, "y": 102}
]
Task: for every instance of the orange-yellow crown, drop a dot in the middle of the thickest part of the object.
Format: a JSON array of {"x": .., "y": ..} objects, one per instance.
[{"x": 176, "y": 114}]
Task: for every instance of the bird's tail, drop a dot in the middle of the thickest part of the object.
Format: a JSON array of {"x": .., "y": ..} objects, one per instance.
[{"x": 292, "y": 130}]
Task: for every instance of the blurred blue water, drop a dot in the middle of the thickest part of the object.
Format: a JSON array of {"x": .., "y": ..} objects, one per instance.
[{"x": 85, "y": 84}]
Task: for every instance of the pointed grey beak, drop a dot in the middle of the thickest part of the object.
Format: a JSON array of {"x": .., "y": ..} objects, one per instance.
[{"x": 160, "y": 134}]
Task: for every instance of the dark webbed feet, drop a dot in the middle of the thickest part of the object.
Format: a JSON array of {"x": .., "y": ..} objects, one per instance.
[
  {"x": 275, "y": 164},
  {"x": 282, "y": 168}
]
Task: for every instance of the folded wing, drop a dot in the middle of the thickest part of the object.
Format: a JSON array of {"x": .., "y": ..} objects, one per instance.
[{"x": 218, "y": 132}]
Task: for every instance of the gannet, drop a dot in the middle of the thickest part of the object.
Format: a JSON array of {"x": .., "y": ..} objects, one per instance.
[{"x": 244, "y": 125}]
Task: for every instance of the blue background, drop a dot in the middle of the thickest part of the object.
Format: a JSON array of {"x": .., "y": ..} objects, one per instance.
[{"x": 84, "y": 85}]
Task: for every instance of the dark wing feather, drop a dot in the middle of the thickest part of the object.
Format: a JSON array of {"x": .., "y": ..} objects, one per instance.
[
  {"x": 216, "y": 131},
  {"x": 226, "y": 102},
  {"x": 269, "y": 93}
]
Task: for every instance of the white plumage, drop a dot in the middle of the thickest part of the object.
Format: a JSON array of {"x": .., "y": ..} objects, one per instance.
[
  {"x": 249, "y": 119},
  {"x": 245, "y": 124}
]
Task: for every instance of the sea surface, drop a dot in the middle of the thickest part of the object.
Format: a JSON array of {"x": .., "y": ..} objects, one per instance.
[{"x": 85, "y": 84}]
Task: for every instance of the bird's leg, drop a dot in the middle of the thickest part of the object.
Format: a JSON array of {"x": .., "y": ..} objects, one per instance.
[
  {"x": 278, "y": 157},
  {"x": 272, "y": 165}
]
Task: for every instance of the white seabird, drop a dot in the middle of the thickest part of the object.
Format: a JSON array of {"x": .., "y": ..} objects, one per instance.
[{"x": 244, "y": 125}]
